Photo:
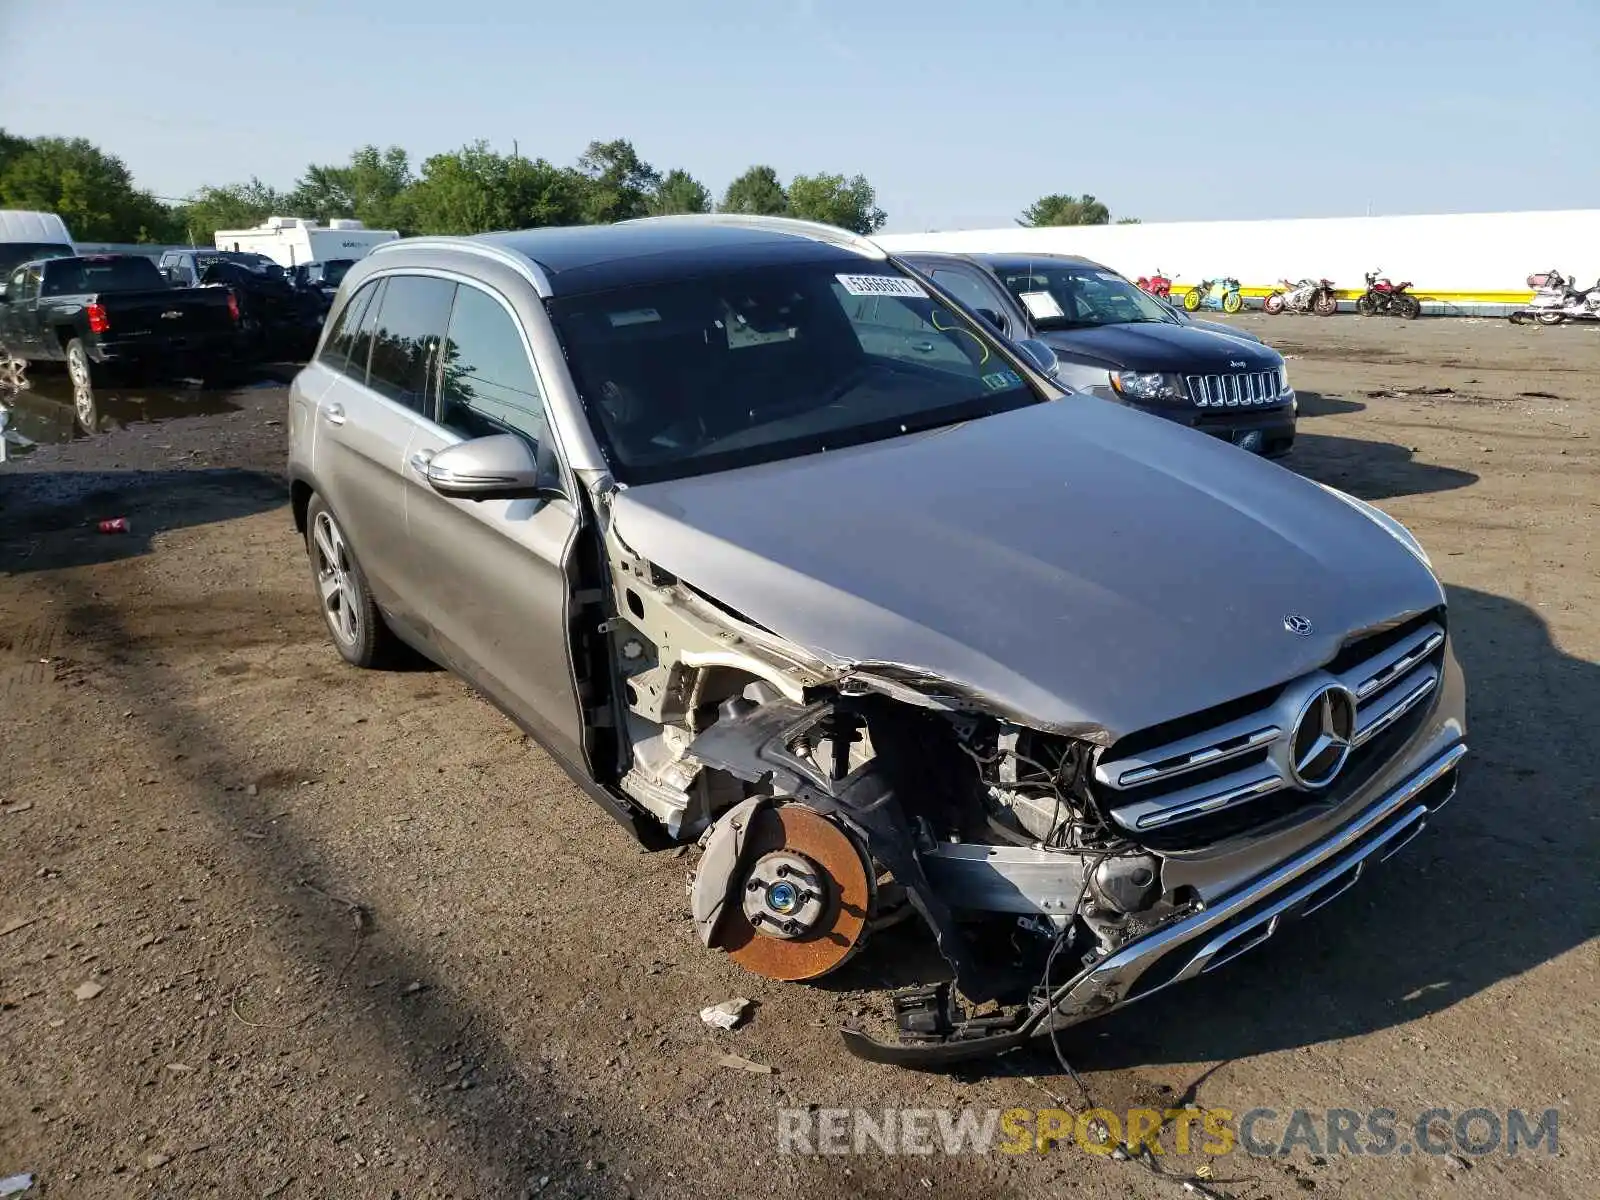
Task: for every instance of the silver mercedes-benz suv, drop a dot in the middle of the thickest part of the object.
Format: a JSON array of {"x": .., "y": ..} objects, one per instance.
[{"x": 776, "y": 547}]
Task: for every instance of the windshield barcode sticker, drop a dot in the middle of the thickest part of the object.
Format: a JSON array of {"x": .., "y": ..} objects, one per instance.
[
  {"x": 881, "y": 285},
  {"x": 1042, "y": 306}
]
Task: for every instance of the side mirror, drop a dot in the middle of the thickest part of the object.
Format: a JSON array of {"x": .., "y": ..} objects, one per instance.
[
  {"x": 500, "y": 467},
  {"x": 993, "y": 317},
  {"x": 1041, "y": 356}
]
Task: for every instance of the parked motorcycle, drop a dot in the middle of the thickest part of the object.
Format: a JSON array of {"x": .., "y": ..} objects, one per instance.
[
  {"x": 1309, "y": 295},
  {"x": 1157, "y": 285},
  {"x": 1214, "y": 294},
  {"x": 1383, "y": 298},
  {"x": 1555, "y": 300}
]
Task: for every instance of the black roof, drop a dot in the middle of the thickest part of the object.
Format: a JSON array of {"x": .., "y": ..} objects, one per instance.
[{"x": 588, "y": 258}]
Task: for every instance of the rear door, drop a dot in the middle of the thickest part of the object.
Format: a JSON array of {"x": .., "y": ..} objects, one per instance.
[
  {"x": 366, "y": 419},
  {"x": 490, "y": 576}
]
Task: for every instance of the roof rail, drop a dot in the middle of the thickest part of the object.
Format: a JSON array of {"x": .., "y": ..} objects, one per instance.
[
  {"x": 526, "y": 267},
  {"x": 814, "y": 230}
]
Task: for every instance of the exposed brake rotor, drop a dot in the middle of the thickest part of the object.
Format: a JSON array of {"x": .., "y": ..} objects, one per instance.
[{"x": 804, "y": 903}]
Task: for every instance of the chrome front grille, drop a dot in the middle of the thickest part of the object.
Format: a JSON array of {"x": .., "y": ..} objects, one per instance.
[
  {"x": 1154, "y": 785},
  {"x": 1251, "y": 388}
]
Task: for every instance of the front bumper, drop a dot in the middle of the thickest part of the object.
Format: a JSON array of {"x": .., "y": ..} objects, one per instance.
[
  {"x": 1209, "y": 938},
  {"x": 1273, "y": 427}
]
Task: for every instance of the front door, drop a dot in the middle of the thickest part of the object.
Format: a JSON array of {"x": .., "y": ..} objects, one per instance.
[
  {"x": 490, "y": 577},
  {"x": 19, "y": 315}
]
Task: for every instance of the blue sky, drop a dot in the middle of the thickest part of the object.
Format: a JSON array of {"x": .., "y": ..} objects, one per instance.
[{"x": 959, "y": 113}]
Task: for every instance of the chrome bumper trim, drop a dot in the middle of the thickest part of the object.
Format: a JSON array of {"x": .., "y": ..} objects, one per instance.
[{"x": 1106, "y": 985}]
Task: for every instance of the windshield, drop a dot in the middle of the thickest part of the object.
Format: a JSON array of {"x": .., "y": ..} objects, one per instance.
[
  {"x": 1080, "y": 296},
  {"x": 13, "y": 253},
  {"x": 256, "y": 264},
  {"x": 694, "y": 375}
]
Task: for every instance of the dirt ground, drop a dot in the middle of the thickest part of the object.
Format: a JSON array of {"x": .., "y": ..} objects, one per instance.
[{"x": 354, "y": 937}]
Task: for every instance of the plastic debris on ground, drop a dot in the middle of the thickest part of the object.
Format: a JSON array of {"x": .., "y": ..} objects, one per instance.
[{"x": 727, "y": 1015}]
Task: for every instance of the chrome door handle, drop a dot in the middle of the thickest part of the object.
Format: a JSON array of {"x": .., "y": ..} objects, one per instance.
[
  {"x": 335, "y": 414},
  {"x": 420, "y": 461},
  {"x": 922, "y": 347}
]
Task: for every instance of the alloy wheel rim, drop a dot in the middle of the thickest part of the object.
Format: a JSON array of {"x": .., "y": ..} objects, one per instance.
[{"x": 335, "y": 582}]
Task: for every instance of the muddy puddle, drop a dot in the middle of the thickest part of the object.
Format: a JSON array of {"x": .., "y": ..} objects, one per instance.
[{"x": 48, "y": 408}]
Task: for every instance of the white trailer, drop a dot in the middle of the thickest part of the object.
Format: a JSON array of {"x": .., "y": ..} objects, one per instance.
[{"x": 291, "y": 241}]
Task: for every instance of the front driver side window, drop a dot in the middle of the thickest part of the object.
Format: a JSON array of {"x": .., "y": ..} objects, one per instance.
[{"x": 488, "y": 384}]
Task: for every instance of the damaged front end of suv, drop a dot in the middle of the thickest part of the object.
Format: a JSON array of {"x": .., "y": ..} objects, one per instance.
[{"x": 1064, "y": 866}]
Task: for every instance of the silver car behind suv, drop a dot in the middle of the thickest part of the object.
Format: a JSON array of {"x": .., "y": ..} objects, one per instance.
[{"x": 776, "y": 547}]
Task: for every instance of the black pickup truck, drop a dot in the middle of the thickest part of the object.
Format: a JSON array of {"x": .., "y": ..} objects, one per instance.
[
  {"x": 1118, "y": 343},
  {"x": 99, "y": 313}
]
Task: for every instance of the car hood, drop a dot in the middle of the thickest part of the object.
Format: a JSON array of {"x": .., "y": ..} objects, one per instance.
[
  {"x": 1159, "y": 346},
  {"x": 1233, "y": 331},
  {"x": 1075, "y": 565}
]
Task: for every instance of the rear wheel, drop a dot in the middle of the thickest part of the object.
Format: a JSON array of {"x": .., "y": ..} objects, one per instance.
[
  {"x": 1191, "y": 300},
  {"x": 1551, "y": 318},
  {"x": 79, "y": 365},
  {"x": 1325, "y": 304},
  {"x": 1273, "y": 304},
  {"x": 1407, "y": 308},
  {"x": 1232, "y": 302},
  {"x": 348, "y": 608}
]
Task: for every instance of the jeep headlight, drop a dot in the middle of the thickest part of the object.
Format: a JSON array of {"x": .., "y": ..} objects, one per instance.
[
  {"x": 1141, "y": 385},
  {"x": 1382, "y": 519}
]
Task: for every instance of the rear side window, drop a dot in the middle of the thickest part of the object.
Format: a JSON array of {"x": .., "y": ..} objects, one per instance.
[
  {"x": 414, "y": 314},
  {"x": 488, "y": 385},
  {"x": 336, "y": 350},
  {"x": 78, "y": 275}
]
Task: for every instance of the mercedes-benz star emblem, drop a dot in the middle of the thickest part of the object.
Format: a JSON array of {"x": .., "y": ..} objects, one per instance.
[
  {"x": 1323, "y": 737},
  {"x": 1295, "y": 623}
]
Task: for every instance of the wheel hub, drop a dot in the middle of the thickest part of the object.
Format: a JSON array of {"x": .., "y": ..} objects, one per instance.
[{"x": 784, "y": 896}]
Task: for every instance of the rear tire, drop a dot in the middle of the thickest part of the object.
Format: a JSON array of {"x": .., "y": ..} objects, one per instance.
[
  {"x": 1191, "y": 300},
  {"x": 1325, "y": 304},
  {"x": 1273, "y": 304},
  {"x": 1551, "y": 318},
  {"x": 1407, "y": 308},
  {"x": 1232, "y": 302},
  {"x": 80, "y": 366},
  {"x": 348, "y": 609}
]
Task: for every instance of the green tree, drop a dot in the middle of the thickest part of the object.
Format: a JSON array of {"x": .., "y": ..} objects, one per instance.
[
  {"x": 475, "y": 189},
  {"x": 370, "y": 187},
  {"x": 232, "y": 206},
  {"x": 834, "y": 200},
  {"x": 757, "y": 191},
  {"x": 90, "y": 190},
  {"x": 679, "y": 192},
  {"x": 1057, "y": 209},
  {"x": 11, "y": 147},
  {"x": 621, "y": 184}
]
